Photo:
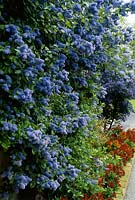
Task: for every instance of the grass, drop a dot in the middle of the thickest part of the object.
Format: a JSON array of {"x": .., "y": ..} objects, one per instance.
[{"x": 133, "y": 103}]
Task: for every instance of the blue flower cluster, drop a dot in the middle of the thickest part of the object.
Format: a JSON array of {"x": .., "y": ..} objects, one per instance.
[
  {"x": 34, "y": 69},
  {"x": 24, "y": 96},
  {"x": 93, "y": 8},
  {"x": 47, "y": 150},
  {"x": 11, "y": 28},
  {"x": 27, "y": 34},
  {"x": 25, "y": 53},
  {"x": 73, "y": 173},
  {"x": 63, "y": 75},
  {"x": 37, "y": 138},
  {"x": 84, "y": 47},
  {"x": 7, "y": 50},
  {"x": 46, "y": 86},
  {"x": 77, "y": 8},
  {"x": 54, "y": 155},
  {"x": 22, "y": 181},
  {"x": 69, "y": 125},
  {"x": 7, "y": 126},
  {"x": 45, "y": 182},
  {"x": 5, "y": 82}
]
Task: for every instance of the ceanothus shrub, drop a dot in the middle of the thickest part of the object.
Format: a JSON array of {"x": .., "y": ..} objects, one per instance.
[
  {"x": 117, "y": 78},
  {"x": 53, "y": 55},
  {"x": 118, "y": 92},
  {"x": 21, "y": 101},
  {"x": 40, "y": 160}
]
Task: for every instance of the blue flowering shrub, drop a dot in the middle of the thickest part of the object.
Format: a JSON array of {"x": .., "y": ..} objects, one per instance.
[
  {"x": 58, "y": 68},
  {"x": 118, "y": 81}
]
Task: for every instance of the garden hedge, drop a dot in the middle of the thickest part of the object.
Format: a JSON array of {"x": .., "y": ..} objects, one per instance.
[{"x": 64, "y": 65}]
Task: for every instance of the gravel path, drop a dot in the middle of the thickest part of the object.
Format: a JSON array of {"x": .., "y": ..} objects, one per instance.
[
  {"x": 130, "y": 192},
  {"x": 129, "y": 123}
]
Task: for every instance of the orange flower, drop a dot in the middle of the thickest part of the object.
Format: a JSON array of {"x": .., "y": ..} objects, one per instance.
[
  {"x": 111, "y": 184},
  {"x": 92, "y": 197},
  {"x": 85, "y": 197},
  {"x": 100, "y": 181},
  {"x": 109, "y": 143},
  {"x": 123, "y": 135},
  {"x": 100, "y": 196},
  {"x": 117, "y": 144}
]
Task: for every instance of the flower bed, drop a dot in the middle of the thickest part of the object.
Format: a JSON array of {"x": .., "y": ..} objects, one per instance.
[{"x": 121, "y": 146}]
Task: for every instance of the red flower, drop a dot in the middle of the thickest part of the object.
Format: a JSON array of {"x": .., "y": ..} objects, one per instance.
[
  {"x": 85, "y": 197},
  {"x": 100, "y": 181}
]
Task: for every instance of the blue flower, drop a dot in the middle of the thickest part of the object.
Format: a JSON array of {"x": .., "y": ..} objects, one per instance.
[
  {"x": 24, "y": 95},
  {"x": 53, "y": 126},
  {"x": 17, "y": 163},
  {"x": 74, "y": 97},
  {"x": 61, "y": 178},
  {"x": 60, "y": 44},
  {"x": 11, "y": 28},
  {"x": 2, "y": 43},
  {"x": 22, "y": 181},
  {"x": 7, "y": 126},
  {"x": 7, "y": 50},
  {"x": 84, "y": 47},
  {"x": 56, "y": 9},
  {"x": 67, "y": 88},
  {"x": 91, "y": 181},
  {"x": 55, "y": 185},
  {"x": 45, "y": 101},
  {"x": 8, "y": 79},
  {"x": 46, "y": 112},
  {"x": 27, "y": 28},
  {"x": 39, "y": 64},
  {"x": 132, "y": 7},
  {"x": 8, "y": 173},
  {"x": 46, "y": 86},
  {"x": 73, "y": 172},
  {"x": 5, "y": 87},
  {"x": 63, "y": 75},
  {"x": 19, "y": 40},
  {"x": 30, "y": 72},
  {"x": 77, "y": 8},
  {"x": 37, "y": 31},
  {"x": 75, "y": 124},
  {"x": 68, "y": 14},
  {"x": 62, "y": 128},
  {"x": 67, "y": 151},
  {"x": 67, "y": 31},
  {"x": 13, "y": 66},
  {"x": 82, "y": 81},
  {"x": 18, "y": 158},
  {"x": 83, "y": 120},
  {"x": 25, "y": 53},
  {"x": 74, "y": 56},
  {"x": 93, "y": 8},
  {"x": 75, "y": 66}
]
